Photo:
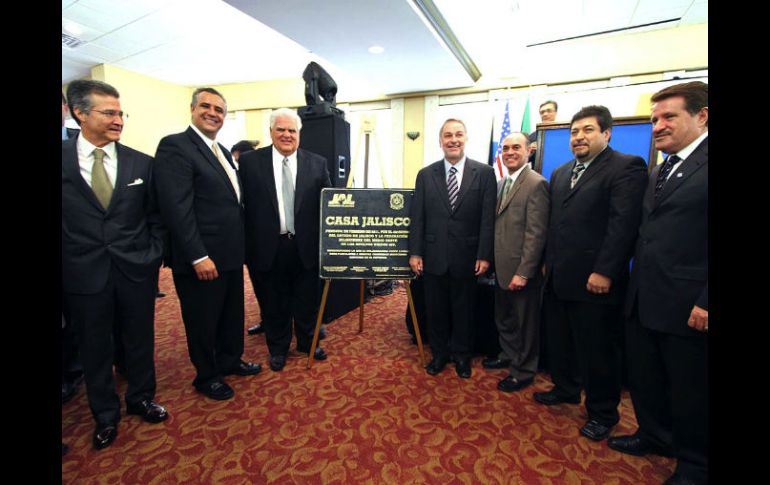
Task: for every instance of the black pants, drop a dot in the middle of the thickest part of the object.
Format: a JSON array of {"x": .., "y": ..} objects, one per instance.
[
  {"x": 288, "y": 293},
  {"x": 668, "y": 377},
  {"x": 133, "y": 306},
  {"x": 212, "y": 311},
  {"x": 449, "y": 302},
  {"x": 584, "y": 350}
]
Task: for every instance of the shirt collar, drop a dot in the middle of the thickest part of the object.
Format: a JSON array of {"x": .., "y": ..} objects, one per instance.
[
  {"x": 459, "y": 165},
  {"x": 86, "y": 148},
  {"x": 279, "y": 156},
  {"x": 208, "y": 141},
  {"x": 592, "y": 159},
  {"x": 687, "y": 151},
  {"x": 513, "y": 176}
]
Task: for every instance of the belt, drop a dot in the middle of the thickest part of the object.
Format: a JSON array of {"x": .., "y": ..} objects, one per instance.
[{"x": 287, "y": 235}]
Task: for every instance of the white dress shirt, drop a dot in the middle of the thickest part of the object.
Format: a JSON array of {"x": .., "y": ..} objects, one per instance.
[
  {"x": 278, "y": 173},
  {"x": 86, "y": 159}
]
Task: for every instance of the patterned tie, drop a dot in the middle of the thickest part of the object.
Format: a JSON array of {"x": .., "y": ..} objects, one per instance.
[
  {"x": 576, "y": 171},
  {"x": 100, "y": 181},
  {"x": 287, "y": 188},
  {"x": 664, "y": 171},
  {"x": 506, "y": 188},
  {"x": 228, "y": 169},
  {"x": 452, "y": 187}
]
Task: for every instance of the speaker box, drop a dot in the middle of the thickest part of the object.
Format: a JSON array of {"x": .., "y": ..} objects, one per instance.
[{"x": 329, "y": 136}]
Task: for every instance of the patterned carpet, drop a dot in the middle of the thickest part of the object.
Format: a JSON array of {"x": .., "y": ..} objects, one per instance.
[{"x": 368, "y": 415}]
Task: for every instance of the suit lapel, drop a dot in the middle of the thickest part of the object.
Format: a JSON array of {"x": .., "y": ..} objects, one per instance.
[
  {"x": 439, "y": 180},
  {"x": 71, "y": 167},
  {"x": 515, "y": 188},
  {"x": 268, "y": 178},
  {"x": 302, "y": 180},
  {"x": 692, "y": 164},
  {"x": 209, "y": 156},
  {"x": 596, "y": 166},
  {"x": 125, "y": 169},
  {"x": 469, "y": 178}
]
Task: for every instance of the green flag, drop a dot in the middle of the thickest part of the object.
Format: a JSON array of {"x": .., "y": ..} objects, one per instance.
[{"x": 525, "y": 127}]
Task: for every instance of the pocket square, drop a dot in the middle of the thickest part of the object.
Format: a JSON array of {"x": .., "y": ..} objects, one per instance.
[{"x": 136, "y": 182}]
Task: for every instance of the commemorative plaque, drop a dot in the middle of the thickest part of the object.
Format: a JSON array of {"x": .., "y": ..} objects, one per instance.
[{"x": 365, "y": 234}]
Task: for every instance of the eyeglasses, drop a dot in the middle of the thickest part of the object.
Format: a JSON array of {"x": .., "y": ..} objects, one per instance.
[{"x": 111, "y": 113}]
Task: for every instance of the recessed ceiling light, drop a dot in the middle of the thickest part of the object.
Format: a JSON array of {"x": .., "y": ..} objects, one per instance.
[{"x": 376, "y": 49}]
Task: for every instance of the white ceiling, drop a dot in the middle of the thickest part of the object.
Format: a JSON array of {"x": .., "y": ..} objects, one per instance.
[{"x": 210, "y": 42}]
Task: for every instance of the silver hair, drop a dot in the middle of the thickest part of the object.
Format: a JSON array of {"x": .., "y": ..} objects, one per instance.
[{"x": 289, "y": 113}]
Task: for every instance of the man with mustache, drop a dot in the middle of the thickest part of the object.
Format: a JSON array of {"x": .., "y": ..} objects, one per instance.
[
  {"x": 667, "y": 302},
  {"x": 595, "y": 209}
]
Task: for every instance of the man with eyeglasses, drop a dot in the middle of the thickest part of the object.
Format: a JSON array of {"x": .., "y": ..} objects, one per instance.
[
  {"x": 199, "y": 195},
  {"x": 112, "y": 244},
  {"x": 548, "y": 111}
]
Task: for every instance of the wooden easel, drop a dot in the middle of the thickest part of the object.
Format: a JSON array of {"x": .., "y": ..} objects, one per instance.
[{"x": 361, "y": 319}]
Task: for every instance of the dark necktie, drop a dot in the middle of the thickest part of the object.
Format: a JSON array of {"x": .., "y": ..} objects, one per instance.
[
  {"x": 451, "y": 184},
  {"x": 668, "y": 165},
  {"x": 100, "y": 181},
  {"x": 287, "y": 189},
  {"x": 576, "y": 171}
]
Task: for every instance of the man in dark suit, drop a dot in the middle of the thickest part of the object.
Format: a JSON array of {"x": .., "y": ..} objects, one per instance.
[
  {"x": 667, "y": 302},
  {"x": 595, "y": 208},
  {"x": 282, "y": 192},
  {"x": 200, "y": 201},
  {"x": 520, "y": 228},
  {"x": 450, "y": 243},
  {"x": 112, "y": 243},
  {"x": 548, "y": 111}
]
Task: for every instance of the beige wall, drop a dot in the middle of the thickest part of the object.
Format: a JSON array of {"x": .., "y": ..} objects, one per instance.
[{"x": 155, "y": 108}]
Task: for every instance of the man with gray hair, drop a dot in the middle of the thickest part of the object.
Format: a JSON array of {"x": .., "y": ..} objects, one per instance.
[
  {"x": 282, "y": 194},
  {"x": 112, "y": 244},
  {"x": 200, "y": 201}
]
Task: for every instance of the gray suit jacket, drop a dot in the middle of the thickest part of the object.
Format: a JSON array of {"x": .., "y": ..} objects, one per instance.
[{"x": 521, "y": 225}]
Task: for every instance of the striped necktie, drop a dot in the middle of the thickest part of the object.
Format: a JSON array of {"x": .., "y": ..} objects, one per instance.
[
  {"x": 576, "y": 171},
  {"x": 452, "y": 187},
  {"x": 664, "y": 172}
]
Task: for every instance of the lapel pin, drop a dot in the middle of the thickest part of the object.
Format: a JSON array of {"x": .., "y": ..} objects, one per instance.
[{"x": 679, "y": 175}]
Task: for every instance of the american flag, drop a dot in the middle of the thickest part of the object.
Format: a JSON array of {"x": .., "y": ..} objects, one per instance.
[{"x": 505, "y": 131}]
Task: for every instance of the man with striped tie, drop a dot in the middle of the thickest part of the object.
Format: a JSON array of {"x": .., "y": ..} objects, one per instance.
[
  {"x": 596, "y": 204},
  {"x": 450, "y": 243}
]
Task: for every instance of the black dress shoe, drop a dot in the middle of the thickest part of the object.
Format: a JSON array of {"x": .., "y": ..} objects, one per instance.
[
  {"x": 636, "y": 445},
  {"x": 319, "y": 354},
  {"x": 159, "y": 294},
  {"x": 495, "y": 363},
  {"x": 150, "y": 411},
  {"x": 245, "y": 369},
  {"x": 217, "y": 390},
  {"x": 463, "y": 367},
  {"x": 104, "y": 435},
  {"x": 595, "y": 430},
  {"x": 277, "y": 362},
  {"x": 678, "y": 479},
  {"x": 511, "y": 384},
  {"x": 436, "y": 365},
  {"x": 550, "y": 398},
  {"x": 258, "y": 328}
]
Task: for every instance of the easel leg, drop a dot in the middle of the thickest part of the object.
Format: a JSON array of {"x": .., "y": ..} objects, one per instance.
[
  {"x": 361, "y": 309},
  {"x": 414, "y": 321},
  {"x": 318, "y": 323}
]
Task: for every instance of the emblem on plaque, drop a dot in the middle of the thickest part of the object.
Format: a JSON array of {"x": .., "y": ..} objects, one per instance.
[{"x": 396, "y": 201}]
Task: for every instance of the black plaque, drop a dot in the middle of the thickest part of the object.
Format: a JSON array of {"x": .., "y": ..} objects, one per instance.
[{"x": 365, "y": 234}]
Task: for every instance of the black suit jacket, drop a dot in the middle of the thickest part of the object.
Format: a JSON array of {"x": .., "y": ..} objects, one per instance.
[
  {"x": 670, "y": 272},
  {"x": 593, "y": 226},
  {"x": 198, "y": 204},
  {"x": 447, "y": 240},
  {"x": 128, "y": 233},
  {"x": 261, "y": 202}
]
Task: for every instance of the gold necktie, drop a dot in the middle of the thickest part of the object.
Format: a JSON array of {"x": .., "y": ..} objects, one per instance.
[
  {"x": 100, "y": 182},
  {"x": 228, "y": 169}
]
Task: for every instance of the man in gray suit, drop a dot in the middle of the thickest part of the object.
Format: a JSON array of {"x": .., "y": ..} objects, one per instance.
[
  {"x": 520, "y": 229},
  {"x": 450, "y": 241}
]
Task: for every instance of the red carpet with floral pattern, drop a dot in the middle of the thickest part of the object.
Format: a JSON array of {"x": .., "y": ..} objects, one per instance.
[{"x": 370, "y": 414}]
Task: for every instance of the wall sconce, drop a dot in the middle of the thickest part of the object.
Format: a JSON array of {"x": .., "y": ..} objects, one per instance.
[{"x": 413, "y": 135}]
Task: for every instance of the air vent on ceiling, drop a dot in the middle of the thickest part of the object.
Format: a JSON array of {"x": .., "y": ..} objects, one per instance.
[{"x": 70, "y": 41}]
